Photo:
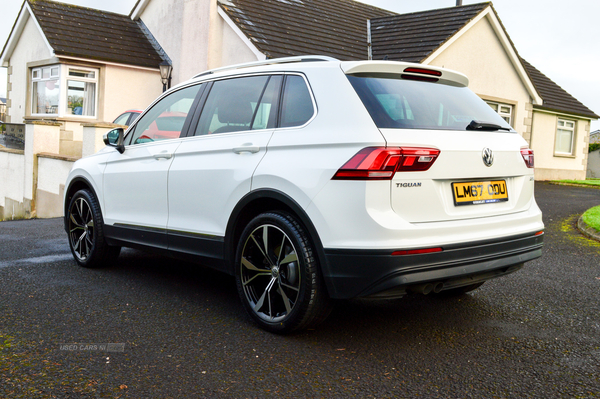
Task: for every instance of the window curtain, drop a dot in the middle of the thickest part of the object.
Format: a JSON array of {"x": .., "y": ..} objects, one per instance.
[{"x": 89, "y": 99}]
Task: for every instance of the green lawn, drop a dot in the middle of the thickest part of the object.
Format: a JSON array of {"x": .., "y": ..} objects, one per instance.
[
  {"x": 591, "y": 217},
  {"x": 588, "y": 182}
]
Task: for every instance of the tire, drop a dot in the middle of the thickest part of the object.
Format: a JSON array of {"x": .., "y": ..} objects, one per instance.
[
  {"x": 277, "y": 275},
  {"x": 86, "y": 232},
  {"x": 461, "y": 290}
]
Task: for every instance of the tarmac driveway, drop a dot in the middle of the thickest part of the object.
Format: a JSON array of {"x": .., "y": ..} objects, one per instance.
[{"x": 152, "y": 327}]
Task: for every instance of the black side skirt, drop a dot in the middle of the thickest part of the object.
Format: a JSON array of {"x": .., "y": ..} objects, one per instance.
[{"x": 205, "y": 249}]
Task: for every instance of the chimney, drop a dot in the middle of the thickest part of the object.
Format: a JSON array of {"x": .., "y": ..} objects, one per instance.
[{"x": 458, "y": 3}]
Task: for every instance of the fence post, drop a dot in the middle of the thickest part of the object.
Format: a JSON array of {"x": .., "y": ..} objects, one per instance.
[
  {"x": 40, "y": 136},
  {"x": 93, "y": 134}
]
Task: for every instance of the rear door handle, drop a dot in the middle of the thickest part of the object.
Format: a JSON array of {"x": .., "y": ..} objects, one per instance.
[{"x": 246, "y": 149}]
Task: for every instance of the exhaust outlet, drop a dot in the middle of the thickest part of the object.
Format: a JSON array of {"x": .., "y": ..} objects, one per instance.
[
  {"x": 421, "y": 288},
  {"x": 437, "y": 287}
]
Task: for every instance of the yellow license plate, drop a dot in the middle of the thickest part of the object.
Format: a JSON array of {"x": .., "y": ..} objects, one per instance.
[{"x": 479, "y": 192}]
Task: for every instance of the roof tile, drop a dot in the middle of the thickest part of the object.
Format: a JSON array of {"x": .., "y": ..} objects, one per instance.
[
  {"x": 282, "y": 28},
  {"x": 412, "y": 37},
  {"x": 93, "y": 34},
  {"x": 555, "y": 97}
]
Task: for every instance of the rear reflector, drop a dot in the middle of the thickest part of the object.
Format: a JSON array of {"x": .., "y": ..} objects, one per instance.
[
  {"x": 380, "y": 163},
  {"x": 416, "y": 251},
  {"x": 527, "y": 154},
  {"x": 539, "y": 233}
]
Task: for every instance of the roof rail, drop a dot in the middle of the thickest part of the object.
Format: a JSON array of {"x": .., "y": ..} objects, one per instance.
[{"x": 272, "y": 61}]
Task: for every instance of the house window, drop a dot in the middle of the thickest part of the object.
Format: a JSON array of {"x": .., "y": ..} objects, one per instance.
[
  {"x": 504, "y": 110},
  {"x": 46, "y": 90},
  {"x": 565, "y": 133},
  {"x": 63, "y": 91},
  {"x": 81, "y": 92}
]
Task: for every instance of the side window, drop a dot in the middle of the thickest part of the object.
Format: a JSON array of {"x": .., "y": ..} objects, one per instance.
[
  {"x": 504, "y": 110},
  {"x": 266, "y": 114},
  {"x": 297, "y": 106},
  {"x": 133, "y": 117},
  {"x": 240, "y": 104},
  {"x": 122, "y": 119},
  {"x": 165, "y": 120},
  {"x": 565, "y": 133}
]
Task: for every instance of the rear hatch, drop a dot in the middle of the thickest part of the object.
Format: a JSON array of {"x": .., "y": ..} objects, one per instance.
[
  {"x": 474, "y": 164},
  {"x": 459, "y": 185}
]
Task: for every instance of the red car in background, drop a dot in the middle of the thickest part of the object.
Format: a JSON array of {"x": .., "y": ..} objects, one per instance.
[
  {"x": 127, "y": 117},
  {"x": 167, "y": 126}
]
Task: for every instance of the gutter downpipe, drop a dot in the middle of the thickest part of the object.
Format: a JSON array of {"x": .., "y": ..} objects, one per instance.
[{"x": 369, "y": 48}]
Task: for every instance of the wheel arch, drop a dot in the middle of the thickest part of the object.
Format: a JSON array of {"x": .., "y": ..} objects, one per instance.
[
  {"x": 78, "y": 183},
  {"x": 265, "y": 200}
]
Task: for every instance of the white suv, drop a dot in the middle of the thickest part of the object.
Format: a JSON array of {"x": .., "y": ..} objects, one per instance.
[{"x": 310, "y": 179}]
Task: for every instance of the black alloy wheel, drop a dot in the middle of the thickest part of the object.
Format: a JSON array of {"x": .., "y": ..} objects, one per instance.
[
  {"x": 85, "y": 229},
  {"x": 277, "y": 275}
]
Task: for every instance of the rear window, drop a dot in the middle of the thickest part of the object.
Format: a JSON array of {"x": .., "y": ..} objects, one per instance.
[
  {"x": 408, "y": 104},
  {"x": 297, "y": 107}
]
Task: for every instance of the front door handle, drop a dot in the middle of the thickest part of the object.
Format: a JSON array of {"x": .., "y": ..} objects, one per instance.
[
  {"x": 246, "y": 148},
  {"x": 163, "y": 156}
]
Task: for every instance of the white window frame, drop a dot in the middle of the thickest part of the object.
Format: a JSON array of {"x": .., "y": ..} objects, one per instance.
[
  {"x": 67, "y": 69},
  {"x": 62, "y": 72},
  {"x": 500, "y": 112},
  {"x": 37, "y": 75},
  {"x": 566, "y": 125}
]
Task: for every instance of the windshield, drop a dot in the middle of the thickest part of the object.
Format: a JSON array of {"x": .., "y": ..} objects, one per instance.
[{"x": 408, "y": 104}]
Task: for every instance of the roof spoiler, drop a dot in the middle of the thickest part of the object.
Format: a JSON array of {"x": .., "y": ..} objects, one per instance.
[{"x": 405, "y": 70}]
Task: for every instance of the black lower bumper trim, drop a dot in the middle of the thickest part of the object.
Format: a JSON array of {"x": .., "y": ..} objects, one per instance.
[{"x": 371, "y": 273}]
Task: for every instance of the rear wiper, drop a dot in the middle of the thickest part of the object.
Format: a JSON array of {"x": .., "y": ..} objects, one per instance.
[{"x": 485, "y": 126}]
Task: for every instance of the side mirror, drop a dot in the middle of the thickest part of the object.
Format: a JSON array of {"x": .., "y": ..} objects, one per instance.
[{"x": 114, "y": 138}]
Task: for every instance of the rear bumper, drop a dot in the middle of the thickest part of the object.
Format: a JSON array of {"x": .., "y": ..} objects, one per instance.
[{"x": 376, "y": 273}]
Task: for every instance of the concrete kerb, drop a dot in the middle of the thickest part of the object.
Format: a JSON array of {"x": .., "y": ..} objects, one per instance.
[{"x": 588, "y": 231}]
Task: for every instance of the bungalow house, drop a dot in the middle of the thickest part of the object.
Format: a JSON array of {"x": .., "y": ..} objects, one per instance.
[
  {"x": 472, "y": 40},
  {"x": 75, "y": 65}
]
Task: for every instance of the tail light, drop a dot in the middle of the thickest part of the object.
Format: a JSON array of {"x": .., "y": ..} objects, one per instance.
[
  {"x": 376, "y": 163},
  {"x": 527, "y": 154}
]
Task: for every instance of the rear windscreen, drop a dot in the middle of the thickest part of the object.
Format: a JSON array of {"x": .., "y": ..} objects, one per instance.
[{"x": 408, "y": 104}]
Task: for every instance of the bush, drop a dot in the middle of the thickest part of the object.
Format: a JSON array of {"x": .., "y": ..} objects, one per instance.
[{"x": 594, "y": 147}]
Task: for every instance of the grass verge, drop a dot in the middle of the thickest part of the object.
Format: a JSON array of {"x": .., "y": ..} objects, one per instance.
[
  {"x": 589, "y": 182},
  {"x": 591, "y": 217}
]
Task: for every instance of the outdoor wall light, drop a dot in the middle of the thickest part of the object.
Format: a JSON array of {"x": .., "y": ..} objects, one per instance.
[{"x": 165, "y": 74}]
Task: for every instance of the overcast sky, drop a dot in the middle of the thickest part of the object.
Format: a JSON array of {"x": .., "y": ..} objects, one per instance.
[{"x": 560, "y": 38}]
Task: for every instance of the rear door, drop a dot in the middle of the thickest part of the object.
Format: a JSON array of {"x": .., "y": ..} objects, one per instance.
[
  {"x": 212, "y": 170},
  {"x": 479, "y": 170},
  {"x": 459, "y": 184}
]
